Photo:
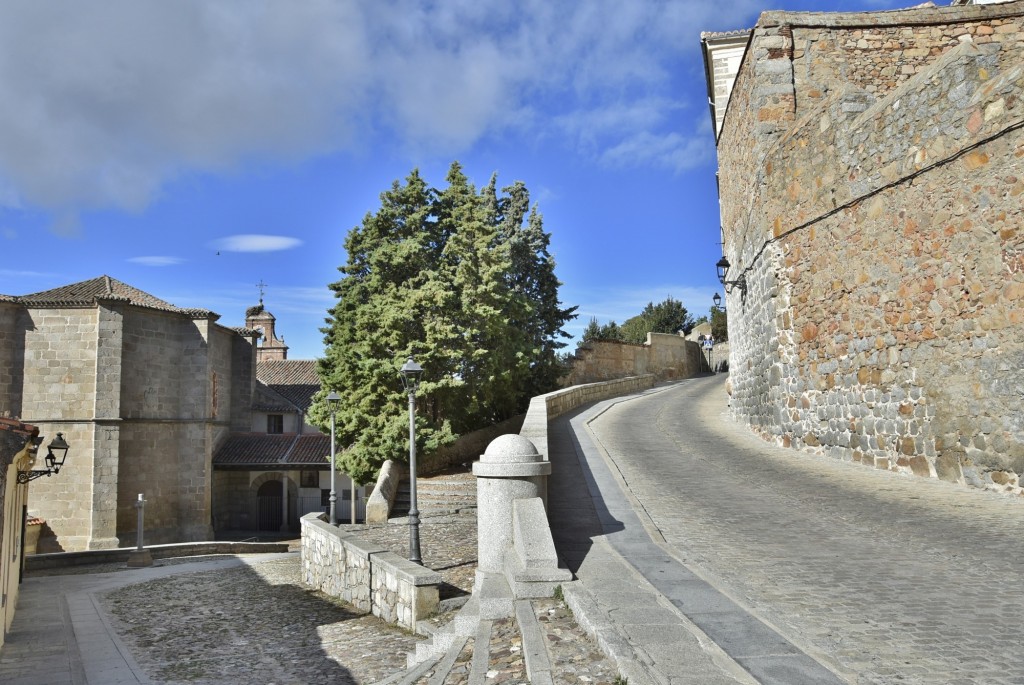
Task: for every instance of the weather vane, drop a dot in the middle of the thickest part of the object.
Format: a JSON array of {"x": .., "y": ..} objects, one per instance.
[{"x": 262, "y": 286}]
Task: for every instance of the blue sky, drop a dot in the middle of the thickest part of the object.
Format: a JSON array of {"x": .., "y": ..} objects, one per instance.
[{"x": 193, "y": 149}]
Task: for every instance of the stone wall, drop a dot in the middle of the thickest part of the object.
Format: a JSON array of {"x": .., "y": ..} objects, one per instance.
[
  {"x": 365, "y": 575},
  {"x": 144, "y": 397},
  {"x": 59, "y": 382},
  {"x": 882, "y": 247},
  {"x": 12, "y": 347},
  {"x": 668, "y": 357}
]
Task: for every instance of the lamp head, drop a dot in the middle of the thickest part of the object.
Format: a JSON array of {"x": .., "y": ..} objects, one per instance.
[
  {"x": 723, "y": 269},
  {"x": 56, "y": 453},
  {"x": 717, "y": 299},
  {"x": 411, "y": 375}
]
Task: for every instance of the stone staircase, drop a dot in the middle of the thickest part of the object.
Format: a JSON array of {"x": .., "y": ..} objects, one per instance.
[
  {"x": 461, "y": 650},
  {"x": 435, "y": 495}
]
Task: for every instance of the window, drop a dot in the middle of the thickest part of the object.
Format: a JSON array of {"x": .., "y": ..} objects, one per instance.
[
  {"x": 309, "y": 479},
  {"x": 275, "y": 423}
]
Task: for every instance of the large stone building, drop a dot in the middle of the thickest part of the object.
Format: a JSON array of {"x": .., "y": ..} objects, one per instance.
[
  {"x": 144, "y": 390},
  {"x": 871, "y": 173},
  {"x": 162, "y": 401}
]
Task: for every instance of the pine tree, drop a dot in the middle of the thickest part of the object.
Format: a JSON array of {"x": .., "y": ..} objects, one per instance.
[
  {"x": 453, "y": 278},
  {"x": 668, "y": 316}
]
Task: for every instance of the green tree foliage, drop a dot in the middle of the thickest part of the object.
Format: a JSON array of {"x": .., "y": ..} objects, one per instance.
[
  {"x": 464, "y": 282},
  {"x": 668, "y": 316},
  {"x": 719, "y": 324},
  {"x": 595, "y": 331}
]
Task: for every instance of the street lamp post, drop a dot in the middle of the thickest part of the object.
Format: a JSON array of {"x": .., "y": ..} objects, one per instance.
[
  {"x": 332, "y": 401},
  {"x": 411, "y": 374}
]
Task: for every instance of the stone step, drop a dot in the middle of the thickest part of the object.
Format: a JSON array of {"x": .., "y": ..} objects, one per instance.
[{"x": 434, "y": 496}]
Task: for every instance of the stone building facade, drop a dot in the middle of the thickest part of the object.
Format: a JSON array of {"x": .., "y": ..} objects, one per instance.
[
  {"x": 267, "y": 478},
  {"x": 871, "y": 170},
  {"x": 142, "y": 389}
]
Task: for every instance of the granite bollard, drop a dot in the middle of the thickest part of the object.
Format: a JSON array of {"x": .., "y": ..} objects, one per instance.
[{"x": 509, "y": 469}]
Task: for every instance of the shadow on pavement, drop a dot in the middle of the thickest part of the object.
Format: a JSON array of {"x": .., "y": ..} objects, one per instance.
[{"x": 575, "y": 514}]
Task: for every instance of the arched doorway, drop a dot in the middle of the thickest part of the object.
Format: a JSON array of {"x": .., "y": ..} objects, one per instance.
[{"x": 268, "y": 506}]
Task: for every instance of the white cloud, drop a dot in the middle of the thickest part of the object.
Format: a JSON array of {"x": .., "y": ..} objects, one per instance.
[
  {"x": 256, "y": 243},
  {"x": 104, "y": 103},
  {"x": 156, "y": 261},
  {"x": 12, "y": 273}
]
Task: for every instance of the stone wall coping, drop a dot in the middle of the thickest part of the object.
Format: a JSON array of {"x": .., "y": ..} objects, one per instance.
[
  {"x": 36, "y": 562},
  {"x": 914, "y": 16},
  {"x": 405, "y": 570}
]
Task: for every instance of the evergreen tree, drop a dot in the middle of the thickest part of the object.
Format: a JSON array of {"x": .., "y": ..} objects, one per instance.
[
  {"x": 592, "y": 331},
  {"x": 453, "y": 278},
  {"x": 611, "y": 331},
  {"x": 668, "y": 316},
  {"x": 719, "y": 324}
]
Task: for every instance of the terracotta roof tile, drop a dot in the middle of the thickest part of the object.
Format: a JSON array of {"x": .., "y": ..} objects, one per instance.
[
  {"x": 259, "y": 450},
  {"x": 296, "y": 380},
  {"x": 311, "y": 449},
  {"x": 252, "y": 449},
  {"x": 103, "y": 288},
  {"x": 16, "y": 426}
]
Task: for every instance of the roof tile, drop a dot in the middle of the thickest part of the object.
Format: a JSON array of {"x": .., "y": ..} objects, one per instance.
[{"x": 103, "y": 288}]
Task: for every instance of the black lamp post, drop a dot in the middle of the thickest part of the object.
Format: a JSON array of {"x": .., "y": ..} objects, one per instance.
[
  {"x": 411, "y": 375},
  {"x": 332, "y": 401},
  {"x": 56, "y": 453},
  {"x": 723, "y": 277}
]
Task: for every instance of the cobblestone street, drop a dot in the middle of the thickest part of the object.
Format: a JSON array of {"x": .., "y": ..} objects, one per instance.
[
  {"x": 258, "y": 624},
  {"x": 888, "y": 578}
]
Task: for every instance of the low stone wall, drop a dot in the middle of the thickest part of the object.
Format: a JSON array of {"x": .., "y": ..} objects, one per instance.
[
  {"x": 38, "y": 562},
  {"x": 669, "y": 357},
  {"x": 543, "y": 408},
  {"x": 366, "y": 576}
]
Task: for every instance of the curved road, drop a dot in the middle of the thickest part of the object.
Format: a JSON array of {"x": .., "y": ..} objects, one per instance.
[{"x": 892, "y": 579}]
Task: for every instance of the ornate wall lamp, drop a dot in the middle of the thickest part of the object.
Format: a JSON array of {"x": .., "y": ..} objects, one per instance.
[
  {"x": 717, "y": 301},
  {"x": 723, "y": 278},
  {"x": 411, "y": 375},
  {"x": 56, "y": 453}
]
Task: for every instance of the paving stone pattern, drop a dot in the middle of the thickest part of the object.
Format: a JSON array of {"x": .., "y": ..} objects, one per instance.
[
  {"x": 886, "y": 578},
  {"x": 259, "y": 624}
]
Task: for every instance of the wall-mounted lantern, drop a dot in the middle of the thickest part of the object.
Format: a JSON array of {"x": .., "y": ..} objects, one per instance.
[
  {"x": 717, "y": 300},
  {"x": 723, "y": 277},
  {"x": 56, "y": 453}
]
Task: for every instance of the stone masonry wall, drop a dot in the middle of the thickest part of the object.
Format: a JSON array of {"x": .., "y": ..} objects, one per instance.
[
  {"x": 882, "y": 245},
  {"x": 12, "y": 344},
  {"x": 366, "y": 576},
  {"x": 669, "y": 357},
  {"x": 177, "y": 372},
  {"x": 58, "y": 389}
]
